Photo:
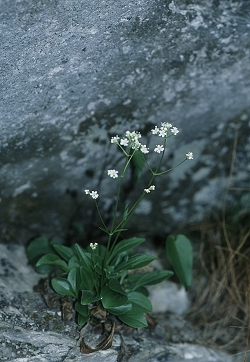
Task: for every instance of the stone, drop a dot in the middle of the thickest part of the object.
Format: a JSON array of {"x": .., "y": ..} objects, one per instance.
[{"x": 75, "y": 73}]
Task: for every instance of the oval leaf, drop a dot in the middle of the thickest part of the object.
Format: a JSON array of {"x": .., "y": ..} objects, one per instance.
[
  {"x": 152, "y": 278},
  {"x": 64, "y": 252},
  {"x": 87, "y": 278},
  {"x": 134, "y": 318},
  {"x": 52, "y": 259},
  {"x": 140, "y": 301},
  {"x": 112, "y": 299},
  {"x": 125, "y": 245},
  {"x": 120, "y": 310},
  {"x": 89, "y": 297},
  {"x": 135, "y": 262},
  {"x": 180, "y": 255},
  {"x": 62, "y": 286}
]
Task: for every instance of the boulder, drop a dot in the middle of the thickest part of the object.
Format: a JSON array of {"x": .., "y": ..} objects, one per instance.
[{"x": 74, "y": 73}]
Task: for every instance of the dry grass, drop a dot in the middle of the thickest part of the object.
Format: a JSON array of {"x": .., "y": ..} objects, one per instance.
[{"x": 222, "y": 295}]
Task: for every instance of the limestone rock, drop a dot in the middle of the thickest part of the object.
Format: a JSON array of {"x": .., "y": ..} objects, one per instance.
[{"x": 74, "y": 73}]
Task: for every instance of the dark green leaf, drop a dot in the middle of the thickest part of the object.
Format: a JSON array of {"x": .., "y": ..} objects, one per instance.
[
  {"x": 87, "y": 278},
  {"x": 38, "y": 248},
  {"x": 89, "y": 297},
  {"x": 52, "y": 259},
  {"x": 62, "y": 286},
  {"x": 180, "y": 255},
  {"x": 112, "y": 299},
  {"x": 153, "y": 277},
  {"x": 73, "y": 262},
  {"x": 120, "y": 310},
  {"x": 64, "y": 252},
  {"x": 116, "y": 286},
  {"x": 140, "y": 301},
  {"x": 134, "y": 318},
  {"x": 81, "y": 319},
  {"x": 74, "y": 279},
  {"x": 84, "y": 257},
  {"x": 135, "y": 262},
  {"x": 125, "y": 245},
  {"x": 82, "y": 309},
  {"x": 138, "y": 162}
]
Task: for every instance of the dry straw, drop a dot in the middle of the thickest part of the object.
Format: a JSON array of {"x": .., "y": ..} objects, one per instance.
[{"x": 222, "y": 297}]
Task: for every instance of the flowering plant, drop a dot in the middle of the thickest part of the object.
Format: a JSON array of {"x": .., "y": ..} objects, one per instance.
[{"x": 99, "y": 277}]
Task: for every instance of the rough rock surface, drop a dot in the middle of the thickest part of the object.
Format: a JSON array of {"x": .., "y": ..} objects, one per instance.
[
  {"x": 73, "y": 73},
  {"x": 31, "y": 332}
]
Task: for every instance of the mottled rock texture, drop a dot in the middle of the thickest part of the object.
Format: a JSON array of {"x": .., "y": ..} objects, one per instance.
[{"x": 73, "y": 73}]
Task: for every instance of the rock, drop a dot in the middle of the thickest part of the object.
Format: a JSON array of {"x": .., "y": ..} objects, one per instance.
[
  {"x": 32, "y": 332},
  {"x": 74, "y": 73}
]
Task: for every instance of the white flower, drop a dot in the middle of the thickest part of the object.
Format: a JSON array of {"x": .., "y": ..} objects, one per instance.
[
  {"x": 94, "y": 194},
  {"x": 159, "y": 148},
  {"x": 152, "y": 188},
  {"x": 113, "y": 173},
  {"x": 144, "y": 149},
  {"x": 174, "y": 130},
  {"x": 115, "y": 139},
  {"x": 162, "y": 133},
  {"x": 155, "y": 130},
  {"x": 166, "y": 125},
  {"x": 124, "y": 142},
  {"x": 93, "y": 246},
  {"x": 87, "y": 192},
  {"x": 189, "y": 156}
]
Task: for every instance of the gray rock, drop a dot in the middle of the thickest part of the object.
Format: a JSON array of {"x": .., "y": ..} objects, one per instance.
[{"x": 74, "y": 73}]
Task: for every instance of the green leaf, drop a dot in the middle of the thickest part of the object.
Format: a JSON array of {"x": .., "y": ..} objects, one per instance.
[
  {"x": 125, "y": 245},
  {"x": 83, "y": 313},
  {"x": 64, "y": 252},
  {"x": 135, "y": 262},
  {"x": 112, "y": 299},
  {"x": 38, "y": 248},
  {"x": 52, "y": 259},
  {"x": 82, "y": 309},
  {"x": 81, "y": 319},
  {"x": 73, "y": 262},
  {"x": 152, "y": 278},
  {"x": 89, "y": 297},
  {"x": 120, "y": 310},
  {"x": 75, "y": 280},
  {"x": 87, "y": 278},
  {"x": 116, "y": 286},
  {"x": 84, "y": 257},
  {"x": 62, "y": 286},
  {"x": 138, "y": 162},
  {"x": 180, "y": 255},
  {"x": 134, "y": 318},
  {"x": 140, "y": 301}
]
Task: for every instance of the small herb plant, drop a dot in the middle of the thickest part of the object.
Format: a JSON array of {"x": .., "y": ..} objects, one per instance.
[{"x": 101, "y": 278}]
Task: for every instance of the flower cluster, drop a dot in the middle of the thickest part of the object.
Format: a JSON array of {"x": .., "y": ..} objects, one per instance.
[
  {"x": 131, "y": 139},
  {"x": 93, "y": 245},
  {"x": 113, "y": 173},
  {"x": 93, "y": 194},
  {"x": 159, "y": 148},
  {"x": 163, "y": 130},
  {"x": 151, "y": 188},
  {"x": 189, "y": 156}
]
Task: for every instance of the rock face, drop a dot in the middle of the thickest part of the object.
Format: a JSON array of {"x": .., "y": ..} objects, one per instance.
[
  {"x": 74, "y": 73},
  {"x": 30, "y": 331}
]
